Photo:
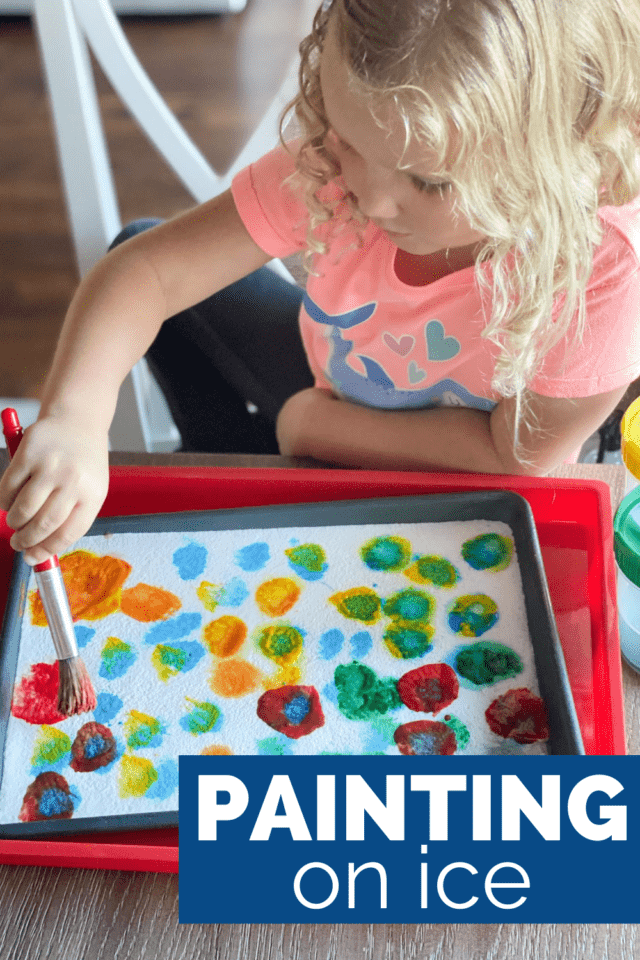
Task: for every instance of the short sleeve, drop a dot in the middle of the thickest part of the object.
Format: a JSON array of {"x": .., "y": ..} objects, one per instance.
[
  {"x": 609, "y": 355},
  {"x": 276, "y": 219}
]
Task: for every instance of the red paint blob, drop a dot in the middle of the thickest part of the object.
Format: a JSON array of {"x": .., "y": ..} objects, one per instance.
[
  {"x": 93, "y": 747},
  {"x": 519, "y": 715},
  {"x": 35, "y": 696},
  {"x": 292, "y": 710},
  {"x": 430, "y": 688},
  {"x": 425, "y": 738},
  {"x": 53, "y": 789}
]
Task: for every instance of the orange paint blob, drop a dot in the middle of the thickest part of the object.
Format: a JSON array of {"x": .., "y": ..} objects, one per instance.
[
  {"x": 93, "y": 585},
  {"x": 217, "y": 751},
  {"x": 225, "y": 636},
  {"x": 234, "y": 678},
  {"x": 147, "y": 604},
  {"x": 275, "y": 597}
]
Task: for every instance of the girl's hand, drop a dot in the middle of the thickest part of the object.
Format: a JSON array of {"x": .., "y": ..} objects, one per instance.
[{"x": 55, "y": 485}]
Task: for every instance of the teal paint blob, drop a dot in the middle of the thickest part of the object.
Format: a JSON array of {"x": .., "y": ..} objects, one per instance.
[
  {"x": 488, "y": 551},
  {"x": 361, "y": 644},
  {"x": 485, "y": 663},
  {"x": 166, "y": 783},
  {"x": 173, "y": 629},
  {"x": 107, "y": 707},
  {"x": 182, "y": 656},
  {"x": 331, "y": 643},
  {"x": 190, "y": 560},
  {"x": 386, "y": 553},
  {"x": 253, "y": 557},
  {"x": 83, "y": 635},
  {"x": 273, "y": 747},
  {"x": 115, "y": 661}
]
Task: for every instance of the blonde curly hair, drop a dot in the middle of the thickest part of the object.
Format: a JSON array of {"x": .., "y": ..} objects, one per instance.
[{"x": 532, "y": 109}]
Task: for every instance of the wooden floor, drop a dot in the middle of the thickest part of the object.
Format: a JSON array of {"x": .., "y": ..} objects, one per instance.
[{"x": 217, "y": 73}]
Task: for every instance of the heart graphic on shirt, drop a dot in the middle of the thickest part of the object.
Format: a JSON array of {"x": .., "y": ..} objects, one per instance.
[
  {"x": 415, "y": 373},
  {"x": 402, "y": 347},
  {"x": 440, "y": 347}
]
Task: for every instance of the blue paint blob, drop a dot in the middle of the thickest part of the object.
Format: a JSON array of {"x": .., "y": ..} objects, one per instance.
[
  {"x": 174, "y": 629},
  {"x": 94, "y": 747},
  {"x": 120, "y": 749},
  {"x": 234, "y": 593},
  {"x": 296, "y": 710},
  {"x": 107, "y": 707},
  {"x": 54, "y": 802},
  {"x": 253, "y": 557},
  {"x": 190, "y": 560},
  {"x": 83, "y": 635},
  {"x": 331, "y": 643},
  {"x": 330, "y": 693},
  {"x": 166, "y": 783},
  {"x": 306, "y": 574},
  {"x": 360, "y": 644}
]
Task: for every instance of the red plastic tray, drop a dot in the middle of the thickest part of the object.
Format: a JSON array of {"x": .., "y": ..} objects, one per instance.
[{"x": 574, "y": 523}]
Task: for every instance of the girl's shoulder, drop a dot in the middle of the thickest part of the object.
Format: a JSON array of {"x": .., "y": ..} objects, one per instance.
[{"x": 619, "y": 252}]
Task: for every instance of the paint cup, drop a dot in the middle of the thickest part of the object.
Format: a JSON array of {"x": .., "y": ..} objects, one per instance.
[
  {"x": 626, "y": 543},
  {"x": 630, "y": 444}
]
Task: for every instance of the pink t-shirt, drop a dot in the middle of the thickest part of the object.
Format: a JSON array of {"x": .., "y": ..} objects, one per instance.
[{"x": 377, "y": 341}]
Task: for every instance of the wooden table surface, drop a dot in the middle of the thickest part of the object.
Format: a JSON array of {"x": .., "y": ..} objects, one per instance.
[{"x": 52, "y": 913}]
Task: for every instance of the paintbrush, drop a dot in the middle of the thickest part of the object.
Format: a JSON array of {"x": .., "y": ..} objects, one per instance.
[{"x": 75, "y": 691}]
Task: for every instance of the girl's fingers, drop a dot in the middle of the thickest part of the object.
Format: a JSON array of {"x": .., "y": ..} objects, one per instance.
[
  {"x": 29, "y": 503},
  {"x": 53, "y": 513},
  {"x": 74, "y": 527}
]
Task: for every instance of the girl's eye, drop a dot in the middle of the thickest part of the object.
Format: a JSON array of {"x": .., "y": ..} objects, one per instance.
[{"x": 423, "y": 186}]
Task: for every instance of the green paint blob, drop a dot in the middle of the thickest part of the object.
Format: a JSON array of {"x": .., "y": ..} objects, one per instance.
[
  {"x": 460, "y": 729},
  {"x": 359, "y": 603},
  {"x": 473, "y": 614},
  {"x": 51, "y": 748},
  {"x": 311, "y": 556},
  {"x": 484, "y": 663},
  {"x": 410, "y": 605},
  {"x": 281, "y": 642},
  {"x": 202, "y": 717},
  {"x": 488, "y": 551},
  {"x": 386, "y": 553},
  {"x": 434, "y": 570},
  {"x": 362, "y": 695},
  {"x": 408, "y": 642}
]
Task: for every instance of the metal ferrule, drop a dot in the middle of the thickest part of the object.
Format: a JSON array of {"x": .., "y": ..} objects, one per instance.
[{"x": 54, "y": 598}]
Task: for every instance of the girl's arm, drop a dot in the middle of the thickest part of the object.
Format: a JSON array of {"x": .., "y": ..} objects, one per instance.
[
  {"x": 58, "y": 479},
  {"x": 313, "y": 423}
]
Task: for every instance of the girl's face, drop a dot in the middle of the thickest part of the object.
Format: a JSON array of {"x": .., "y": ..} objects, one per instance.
[{"x": 413, "y": 207}]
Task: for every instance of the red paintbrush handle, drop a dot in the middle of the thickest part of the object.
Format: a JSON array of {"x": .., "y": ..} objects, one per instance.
[
  {"x": 13, "y": 435},
  {"x": 11, "y": 429}
]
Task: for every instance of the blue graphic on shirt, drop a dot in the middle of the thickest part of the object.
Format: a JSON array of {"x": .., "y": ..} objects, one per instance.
[{"x": 376, "y": 388}]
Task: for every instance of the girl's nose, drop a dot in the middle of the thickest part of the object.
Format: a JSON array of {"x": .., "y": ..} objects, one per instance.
[{"x": 375, "y": 198}]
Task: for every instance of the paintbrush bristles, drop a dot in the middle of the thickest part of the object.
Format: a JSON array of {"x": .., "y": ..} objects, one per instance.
[{"x": 75, "y": 690}]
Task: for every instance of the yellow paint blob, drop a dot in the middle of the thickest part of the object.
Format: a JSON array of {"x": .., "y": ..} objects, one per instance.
[
  {"x": 208, "y": 594},
  {"x": 93, "y": 586},
  {"x": 136, "y": 776},
  {"x": 148, "y": 604},
  {"x": 286, "y": 676},
  {"x": 217, "y": 751},
  {"x": 225, "y": 636},
  {"x": 275, "y": 597},
  {"x": 234, "y": 678}
]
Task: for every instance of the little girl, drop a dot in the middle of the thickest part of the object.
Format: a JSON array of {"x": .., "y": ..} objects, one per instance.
[{"x": 466, "y": 192}]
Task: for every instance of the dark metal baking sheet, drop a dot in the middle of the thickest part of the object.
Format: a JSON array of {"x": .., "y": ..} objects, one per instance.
[{"x": 506, "y": 506}]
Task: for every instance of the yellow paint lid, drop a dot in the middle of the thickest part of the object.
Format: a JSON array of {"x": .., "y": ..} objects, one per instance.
[{"x": 630, "y": 438}]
